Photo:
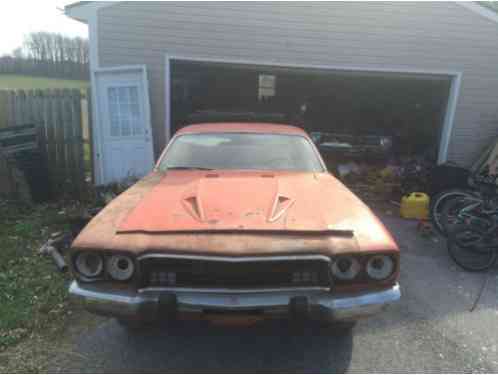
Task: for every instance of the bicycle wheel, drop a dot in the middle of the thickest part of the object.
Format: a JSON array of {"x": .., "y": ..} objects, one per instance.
[
  {"x": 437, "y": 205},
  {"x": 467, "y": 210},
  {"x": 469, "y": 248},
  {"x": 450, "y": 211},
  {"x": 464, "y": 211}
]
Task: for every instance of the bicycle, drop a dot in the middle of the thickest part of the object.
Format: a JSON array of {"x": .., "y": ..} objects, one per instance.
[
  {"x": 472, "y": 227},
  {"x": 479, "y": 169},
  {"x": 442, "y": 199}
]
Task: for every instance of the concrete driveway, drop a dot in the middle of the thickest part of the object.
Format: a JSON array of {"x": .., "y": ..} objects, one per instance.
[{"x": 430, "y": 330}]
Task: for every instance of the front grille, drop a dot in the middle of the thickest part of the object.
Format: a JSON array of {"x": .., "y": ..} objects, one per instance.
[{"x": 262, "y": 273}]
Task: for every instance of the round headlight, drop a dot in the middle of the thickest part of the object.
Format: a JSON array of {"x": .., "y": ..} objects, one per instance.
[
  {"x": 380, "y": 267},
  {"x": 345, "y": 268},
  {"x": 89, "y": 264},
  {"x": 120, "y": 267}
]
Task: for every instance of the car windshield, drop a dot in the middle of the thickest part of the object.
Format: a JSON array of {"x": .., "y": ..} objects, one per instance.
[{"x": 241, "y": 151}]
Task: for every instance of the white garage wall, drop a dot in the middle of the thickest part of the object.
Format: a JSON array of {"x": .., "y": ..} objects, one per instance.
[{"x": 404, "y": 36}]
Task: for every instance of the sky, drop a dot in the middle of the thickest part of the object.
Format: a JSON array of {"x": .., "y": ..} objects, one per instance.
[{"x": 20, "y": 17}]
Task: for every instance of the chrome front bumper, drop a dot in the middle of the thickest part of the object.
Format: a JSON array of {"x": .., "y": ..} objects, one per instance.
[{"x": 150, "y": 304}]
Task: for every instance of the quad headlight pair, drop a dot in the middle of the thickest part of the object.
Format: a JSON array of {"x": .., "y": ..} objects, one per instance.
[
  {"x": 92, "y": 265},
  {"x": 377, "y": 267}
]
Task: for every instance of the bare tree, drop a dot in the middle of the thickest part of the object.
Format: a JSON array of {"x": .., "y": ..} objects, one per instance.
[{"x": 49, "y": 54}]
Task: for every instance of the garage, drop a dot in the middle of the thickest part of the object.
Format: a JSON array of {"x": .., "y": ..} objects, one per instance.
[
  {"x": 406, "y": 110},
  {"x": 420, "y": 76}
]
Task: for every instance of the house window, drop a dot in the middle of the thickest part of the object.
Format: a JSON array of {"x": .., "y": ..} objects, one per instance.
[
  {"x": 124, "y": 111},
  {"x": 266, "y": 87}
]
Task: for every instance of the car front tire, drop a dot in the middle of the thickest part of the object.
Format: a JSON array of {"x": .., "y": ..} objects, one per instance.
[{"x": 341, "y": 327}]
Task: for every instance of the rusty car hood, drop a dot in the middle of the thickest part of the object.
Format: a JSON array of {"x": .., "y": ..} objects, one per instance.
[
  {"x": 244, "y": 201},
  {"x": 230, "y": 212}
]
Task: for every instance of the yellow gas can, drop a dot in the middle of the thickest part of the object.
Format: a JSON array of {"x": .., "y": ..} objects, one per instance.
[{"x": 415, "y": 206}]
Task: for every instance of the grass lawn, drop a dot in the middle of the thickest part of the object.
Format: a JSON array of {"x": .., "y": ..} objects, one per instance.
[
  {"x": 13, "y": 81},
  {"x": 33, "y": 293},
  {"x": 37, "y": 321}
]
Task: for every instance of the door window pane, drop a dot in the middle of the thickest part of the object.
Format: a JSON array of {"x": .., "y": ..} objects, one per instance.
[
  {"x": 124, "y": 111},
  {"x": 115, "y": 126},
  {"x": 113, "y": 95},
  {"x": 134, "y": 95},
  {"x": 125, "y": 126}
]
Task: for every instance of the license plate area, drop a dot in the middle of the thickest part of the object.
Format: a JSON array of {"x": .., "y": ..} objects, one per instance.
[
  {"x": 222, "y": 317},
  {"x": 216, "y": 312}
]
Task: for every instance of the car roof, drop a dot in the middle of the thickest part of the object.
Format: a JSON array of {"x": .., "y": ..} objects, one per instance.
[{"x": 241, "y": 127}]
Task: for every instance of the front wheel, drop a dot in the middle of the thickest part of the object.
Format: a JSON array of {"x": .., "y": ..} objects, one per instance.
[
  {"x": 438, "y": 202},
  {"x": 467, "y": 247},
  {"x": 337, "y": 326},
  {"x": 342, "y": 326},
  {"x": 464, "y": 210},
  {"x": 299, "y": 326}
]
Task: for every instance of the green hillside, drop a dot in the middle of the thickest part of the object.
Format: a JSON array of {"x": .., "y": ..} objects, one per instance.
[{"x": 12, "y": 81}]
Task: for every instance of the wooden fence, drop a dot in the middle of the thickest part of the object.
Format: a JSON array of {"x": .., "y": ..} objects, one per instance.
[{"x": 59, "y": 120}]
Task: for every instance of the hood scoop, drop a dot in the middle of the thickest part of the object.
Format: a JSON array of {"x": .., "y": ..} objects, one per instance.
[
  {"x": 211, "y": 201},
  {"x": 280, "y": 206},
  {"x": 192, "y": 206}
]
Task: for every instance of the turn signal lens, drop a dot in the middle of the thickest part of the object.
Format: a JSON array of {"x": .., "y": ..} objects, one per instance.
[
  {"x": 89, "y": 264},
  {"x": 162, "y": 278},
  {"x": 380, "y": 267},
  {"x": 345, "y": 268},
  {"x": 120, "y": 267}
]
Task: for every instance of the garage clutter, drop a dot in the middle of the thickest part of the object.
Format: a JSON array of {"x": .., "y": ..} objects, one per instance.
[
  {"x": 406, "y": 182},
  {"x": 371, "y": 182},
  {"x": 415, "y": 206},
  {"x": 383, "y": 182},
  {"x": 373, "y": 167}
]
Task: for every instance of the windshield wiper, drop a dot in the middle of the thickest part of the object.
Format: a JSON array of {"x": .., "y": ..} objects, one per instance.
[{"x": 189, "y": 168}]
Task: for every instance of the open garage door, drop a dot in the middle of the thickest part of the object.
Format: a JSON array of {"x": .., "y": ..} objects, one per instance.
[{"x": 413, "y": 110}]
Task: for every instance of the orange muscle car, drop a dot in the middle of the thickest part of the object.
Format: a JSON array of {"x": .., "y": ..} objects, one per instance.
[{"x": 236, "y": 218}]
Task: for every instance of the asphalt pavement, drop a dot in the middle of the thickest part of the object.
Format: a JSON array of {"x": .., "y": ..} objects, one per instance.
[{"x": 432, "y": 329}]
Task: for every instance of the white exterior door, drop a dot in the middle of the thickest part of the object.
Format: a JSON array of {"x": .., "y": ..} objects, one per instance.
[{"x": 124, "y": 131}]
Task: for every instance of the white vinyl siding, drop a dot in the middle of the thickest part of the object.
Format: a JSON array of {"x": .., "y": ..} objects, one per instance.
[{"x": 422, "y": 36}]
